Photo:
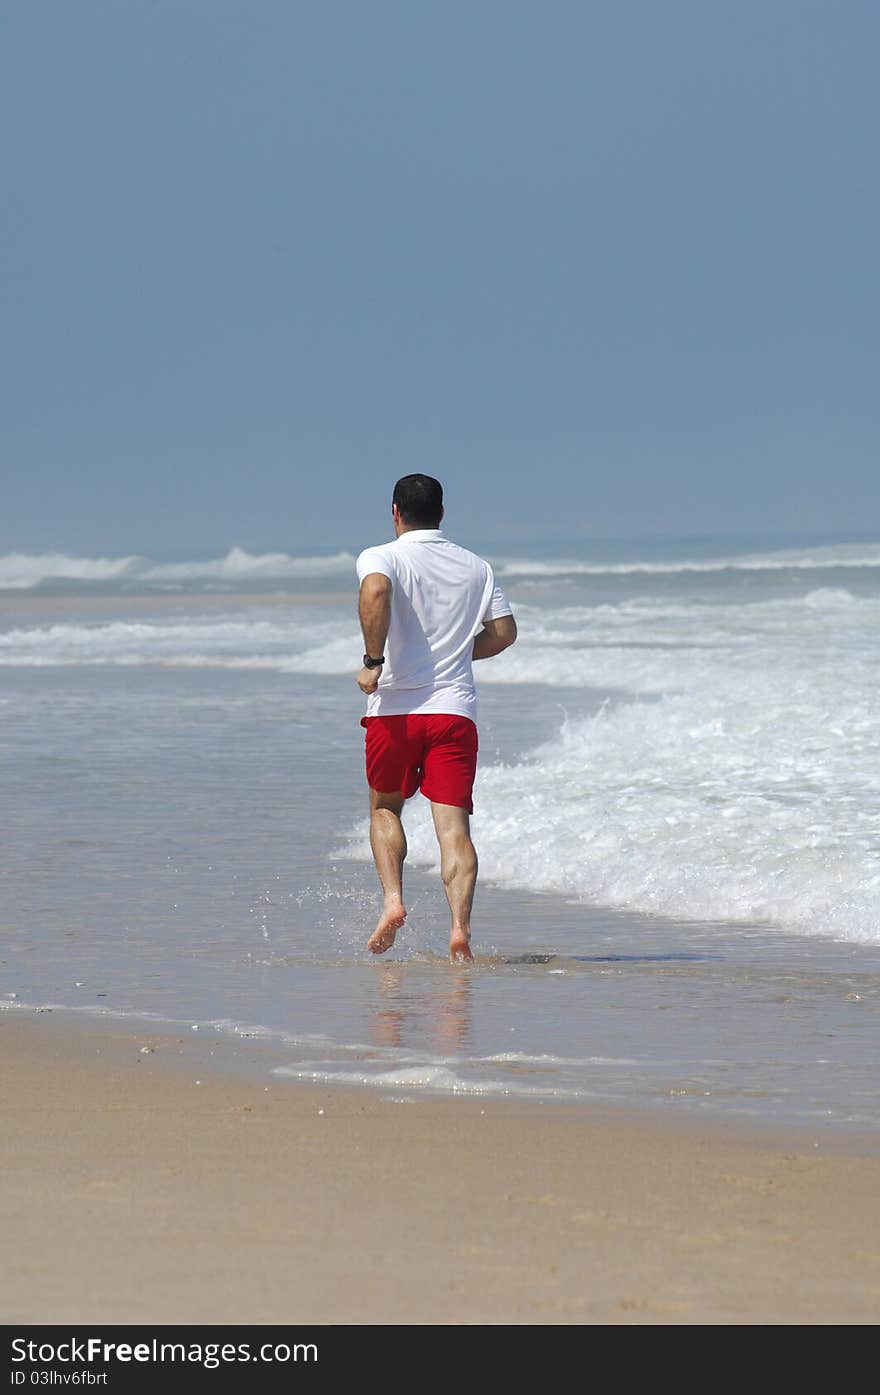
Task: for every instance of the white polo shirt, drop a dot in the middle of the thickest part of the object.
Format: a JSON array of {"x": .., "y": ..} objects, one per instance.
[{"x": 440, "y": 596}]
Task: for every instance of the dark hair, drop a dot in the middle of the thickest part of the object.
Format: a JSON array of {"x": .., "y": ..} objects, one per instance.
[{"x": 420, "y": 500}]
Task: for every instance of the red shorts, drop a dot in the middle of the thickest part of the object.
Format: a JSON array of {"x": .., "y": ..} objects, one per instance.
[{"x": 435, "y": 752}]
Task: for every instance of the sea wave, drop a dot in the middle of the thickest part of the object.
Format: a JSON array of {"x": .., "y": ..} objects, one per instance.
[
  {"x": 747, "y": 788},
  {"x": 26, "y": 571},
  {"x": 829, "y": 557},
  {"x": 642, "y": 646},
  {"x": 295, "y": 646},
  {"x": 21, "y": 571},
  {"x": 754, "y": 800}
]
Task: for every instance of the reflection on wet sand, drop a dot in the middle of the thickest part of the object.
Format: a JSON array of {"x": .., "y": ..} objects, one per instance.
[{"x": 410, "y": 1010}]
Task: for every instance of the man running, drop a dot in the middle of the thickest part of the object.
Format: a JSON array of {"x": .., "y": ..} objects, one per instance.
[{"x": 428, "y": 608}]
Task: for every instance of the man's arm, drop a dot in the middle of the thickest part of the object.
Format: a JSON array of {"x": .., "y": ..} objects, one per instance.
[
  {"x": 374, "y": 608},
  {"x": 495, "y": 636}
]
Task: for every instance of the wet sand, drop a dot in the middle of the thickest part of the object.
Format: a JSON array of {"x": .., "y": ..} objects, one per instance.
[{"x": 151, "y": 1179}]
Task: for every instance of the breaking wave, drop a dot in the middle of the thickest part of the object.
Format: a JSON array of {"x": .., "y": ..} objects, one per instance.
[{"x": 21, "y": 571}]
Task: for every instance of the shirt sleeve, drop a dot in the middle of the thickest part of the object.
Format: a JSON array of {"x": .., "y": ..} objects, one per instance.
[
  {"x": 498, "y": 605},
  {"x": 374, "y": 559}
]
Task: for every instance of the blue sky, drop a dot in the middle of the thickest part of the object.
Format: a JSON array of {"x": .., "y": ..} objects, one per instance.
[{"x": 604, "y": 268}]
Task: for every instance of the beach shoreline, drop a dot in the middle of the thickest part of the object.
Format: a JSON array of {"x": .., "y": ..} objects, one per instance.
[{"x": 151, "y": 1177}]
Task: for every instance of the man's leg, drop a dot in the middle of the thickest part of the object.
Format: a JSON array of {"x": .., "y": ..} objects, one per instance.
[
  {"x": 458, "y": 867},
  {"x": 388, "y": 841}
]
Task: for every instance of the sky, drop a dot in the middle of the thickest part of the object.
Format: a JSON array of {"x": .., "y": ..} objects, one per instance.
[{"x": 605, "y": 268}]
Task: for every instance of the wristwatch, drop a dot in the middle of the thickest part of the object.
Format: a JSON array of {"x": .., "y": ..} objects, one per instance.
[{"x": 373, "y": 663}]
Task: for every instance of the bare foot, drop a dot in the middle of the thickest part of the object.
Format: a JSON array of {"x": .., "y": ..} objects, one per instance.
[
  {"x": 388, "y": 925},
  {"x": 459, "y": 947}
]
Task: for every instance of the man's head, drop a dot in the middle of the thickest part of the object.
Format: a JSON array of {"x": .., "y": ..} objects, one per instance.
[{"x": 417, "y": 502}]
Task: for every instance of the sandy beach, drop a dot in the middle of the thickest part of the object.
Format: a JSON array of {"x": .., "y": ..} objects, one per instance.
[{"x": 150, "y": 1179}]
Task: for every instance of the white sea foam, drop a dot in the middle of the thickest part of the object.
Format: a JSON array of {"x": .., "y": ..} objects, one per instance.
[
  {"x": 23, "y": 571},
  {"x": 546, "y": 1060},
  {"x": 746, "y": 789},
  {"x": 649, "y": 646},
  {"x": 802, "y": 559},
  {"x": 431, "y": 1077},
  {"x": 641, "y": 646},
  {"x": 695, "y": 808},
  {"x": 292, "y": 646},
  {"x": 239, "y": 565}
]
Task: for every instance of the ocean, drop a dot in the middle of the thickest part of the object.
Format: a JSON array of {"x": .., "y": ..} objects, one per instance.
[{"x": 677, "y": 817}]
